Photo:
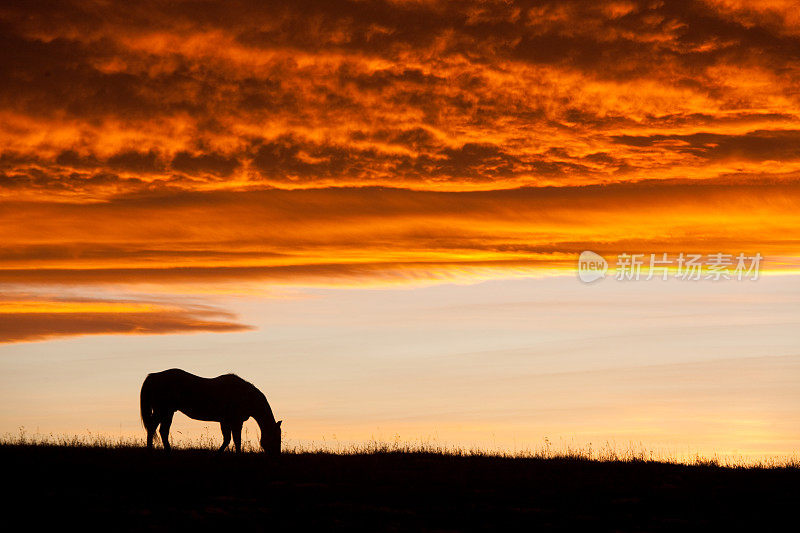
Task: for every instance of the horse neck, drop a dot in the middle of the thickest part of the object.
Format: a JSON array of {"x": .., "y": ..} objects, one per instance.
[{"x": 263, "y": 415}]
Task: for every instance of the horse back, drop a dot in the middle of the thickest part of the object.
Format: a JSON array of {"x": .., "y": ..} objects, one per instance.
[{"x": 198, "y": 397}]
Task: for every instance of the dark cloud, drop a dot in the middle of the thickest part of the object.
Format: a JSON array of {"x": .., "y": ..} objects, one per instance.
[
  {"x": 761, "y": 145},
  {"x": 211, "y": 163},
  {"x": 135, "y": 161},
  {"x": 33, "y": 180},
  {"x": 71, "y": 158}
]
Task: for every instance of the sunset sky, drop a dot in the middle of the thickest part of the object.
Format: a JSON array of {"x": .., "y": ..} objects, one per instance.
[{"x": 374, "y": 211}]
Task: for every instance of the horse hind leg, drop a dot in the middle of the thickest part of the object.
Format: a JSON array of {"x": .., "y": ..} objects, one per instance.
[
  {"x": 166, "y": 422},
  {"x": 226, "y": 436},
  {"x": 151, "y": 433}
]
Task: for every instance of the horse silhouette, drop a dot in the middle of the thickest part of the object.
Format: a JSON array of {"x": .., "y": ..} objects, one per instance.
[{"x": 227, "y": 399}]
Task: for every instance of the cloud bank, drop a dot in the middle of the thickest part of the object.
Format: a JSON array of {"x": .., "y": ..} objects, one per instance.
[
  {"x": 351, "y": 142},
  {"x": 100, "y": 98}
]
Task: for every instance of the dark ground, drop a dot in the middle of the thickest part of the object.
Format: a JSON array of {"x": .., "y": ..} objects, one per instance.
[{"x": 129, "y": 489}]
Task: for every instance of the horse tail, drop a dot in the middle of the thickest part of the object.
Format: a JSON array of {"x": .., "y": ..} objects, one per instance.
[{"x": 146, "y": 402}]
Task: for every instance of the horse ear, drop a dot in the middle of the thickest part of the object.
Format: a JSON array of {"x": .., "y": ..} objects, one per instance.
[{"x": 278, "y": 423}]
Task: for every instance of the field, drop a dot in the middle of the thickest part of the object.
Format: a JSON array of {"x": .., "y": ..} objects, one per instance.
[{"x": 127, "y": 488}]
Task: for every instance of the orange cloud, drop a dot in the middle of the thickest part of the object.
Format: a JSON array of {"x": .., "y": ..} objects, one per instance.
[
  {"x": 35, "y": 319},
  {"x": 106, "y": 98},
  {"x": 327, "y": 140},
  {"x": 337, "y": 233}
]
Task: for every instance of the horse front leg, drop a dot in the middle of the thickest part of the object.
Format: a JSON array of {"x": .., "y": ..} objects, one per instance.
[
  {"x": 226, "y": 436},
  {"x": 237, "y": 436}
]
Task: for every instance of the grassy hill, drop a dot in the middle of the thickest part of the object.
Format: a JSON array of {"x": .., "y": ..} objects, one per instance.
[{"x": 127, "y": 488}]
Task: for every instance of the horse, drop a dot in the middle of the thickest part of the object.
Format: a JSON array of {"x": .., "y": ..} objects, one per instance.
[{"x": 227, "y": 399}]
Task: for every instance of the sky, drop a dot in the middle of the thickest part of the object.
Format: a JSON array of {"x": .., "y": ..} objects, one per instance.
[{"x": 374, "y": 211}]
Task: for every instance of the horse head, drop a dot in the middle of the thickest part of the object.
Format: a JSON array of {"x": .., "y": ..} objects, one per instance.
[{"x": 271, "y": 440}]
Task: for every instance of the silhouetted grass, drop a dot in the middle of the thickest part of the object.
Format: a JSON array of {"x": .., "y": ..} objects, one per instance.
[
  {"x": 607, "y": 452},
  {"x": 103, "y": 483}
]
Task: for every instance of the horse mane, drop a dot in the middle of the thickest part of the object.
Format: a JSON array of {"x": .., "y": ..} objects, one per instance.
[
  {"x": 245, "y": 382},
  {"x": 255, "y": 391}
]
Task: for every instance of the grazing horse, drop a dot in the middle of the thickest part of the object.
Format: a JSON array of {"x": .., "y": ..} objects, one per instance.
[{"x": 226, "y": 399}]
